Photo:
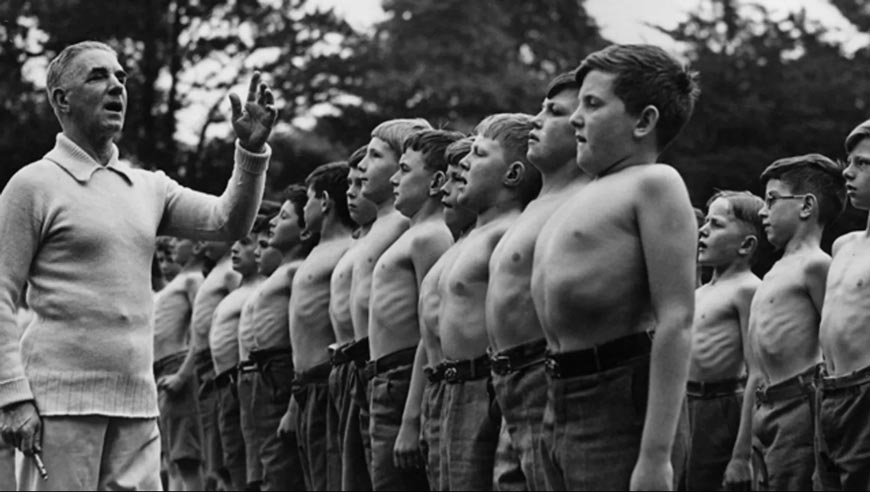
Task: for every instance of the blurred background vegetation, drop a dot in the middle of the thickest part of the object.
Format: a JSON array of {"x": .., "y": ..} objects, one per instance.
[{"x": 773, "y": 85}]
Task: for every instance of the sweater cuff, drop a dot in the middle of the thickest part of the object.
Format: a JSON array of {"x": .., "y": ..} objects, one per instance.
[
  {"x": 14, "y": 391},
  {"x": 251, "y": 162}
]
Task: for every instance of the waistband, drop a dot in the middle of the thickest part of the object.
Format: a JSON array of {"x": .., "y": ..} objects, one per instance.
[
  {"x": 712, "y": 389},
  {"x": 519, "y": 357},
  {"x": 203, "y": 365},
  {"x": 855, "y": 378},
  {"x": 358, "y": 352},
  {"x": 435, "y": 374},
  {"x": 226, "y": 378},
  {"x": 460, "y": 371},
  {"x": 260, "y": 357},
  {"x": 337, "y": 356},
  {"x": 599, "y": 358},
  {"x": 389, "y": 362},
  {"x": 247, "y": 366},
  {"x": 168, "y": 361},
  {"x": 314, "y": 375},
  {"x": 793, "y": 387}
]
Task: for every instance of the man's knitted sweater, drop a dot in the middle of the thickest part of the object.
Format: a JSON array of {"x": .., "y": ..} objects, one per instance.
[{"x": 83, "y": 236}]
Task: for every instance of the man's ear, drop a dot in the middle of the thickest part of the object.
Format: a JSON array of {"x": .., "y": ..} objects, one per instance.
[
  {"x": 59, "y": 99},
  {"x": 514, "y": 176},
  {"x": 810, "y": 203},
  {"x": 436, "y": 183},
  {"x": 748, "y": 245},
  {"x": 646, "y": 122},
  {"x": 325, "y": 202}
]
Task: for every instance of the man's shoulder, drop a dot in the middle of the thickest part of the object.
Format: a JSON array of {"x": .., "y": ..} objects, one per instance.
[{"x": 33, "y": 176}]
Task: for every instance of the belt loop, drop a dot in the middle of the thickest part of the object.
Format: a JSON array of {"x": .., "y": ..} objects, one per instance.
[{"x": 598, "y": 365}]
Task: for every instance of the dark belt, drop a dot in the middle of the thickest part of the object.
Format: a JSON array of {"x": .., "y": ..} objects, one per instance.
[
  {"x": 712, "y": 389},
  {"x": 519, "y": 357},
  {"x": 434, "y": 373},
  {"x": 337, "y": 356},
  {"x": 358, "y": 352},
  {"x": 248, "y": 366},
  {"x": 203, "y": 365},
  {"x": 261, "y": 357},
  {"x": 316, "y": 374},
  {"x": 389, "y": 362},
  {"x": 226, "y": 378},
  {"x": 168, "y": 361},
  {"x": 793, "y": 387},
  {"x": 460, "y": 371},
  {"x": 855, "y": 378},
  {"x": 599, "y": 358}
]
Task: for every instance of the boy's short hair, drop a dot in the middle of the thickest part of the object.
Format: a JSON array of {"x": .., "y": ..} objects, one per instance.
[
  {"x": 456, "y": 151},
  {"x": 812, "y": 173},
  {"x": 647, "y": 75},
  {"x": 745, "y": 207},
  {"x": 268, "y": 210},
  {"x": 163, "y": 244},
  {"x": 860, "y": 132},
  {"x": 561, "y": 82},
  {"x": 394, "y": 132},
  {"x": 357, "y": 157},
  {"x": 332, "y": 179},
  {"x": 511, "y": 131},
  {"x": 432, "y": 144},
  {"x": 298, "y": 196}
]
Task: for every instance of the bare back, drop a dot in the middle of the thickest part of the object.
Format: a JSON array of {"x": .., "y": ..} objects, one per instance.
[
  {"x": 384, "y": 232},
  {"x": 463, "y": 302},
  {"x": 308, "y": 312},
  {"x": 845, "y": 326},
  {"x": 720, "y": 327},
  {"x": 393, "y": 316},
  {"x": 511, "y": 318},
  {"x": 784, "y": 326},
  {"x": 339, "y": 296},
  {"x": 173, "y": 307}
]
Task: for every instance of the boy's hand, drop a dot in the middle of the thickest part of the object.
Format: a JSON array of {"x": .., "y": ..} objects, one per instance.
[
  {"x": 652, "y": 475},
  {"x": 253, "y": 122},
  {"x": 406, "y": 452},
  {"x": 287, "y": 426},
  {"x": 172, "y": 383},
  {"x": 738, "y": 475},
  {"x": 21, "y": 426}
]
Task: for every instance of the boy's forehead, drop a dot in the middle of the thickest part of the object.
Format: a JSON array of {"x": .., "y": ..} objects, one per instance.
[
  {"x": 777, "y": 185},
  {"x": 567, "y": 97},
  {"x": 721, "y": 207},
  {"x": 598, "y": 82},
  {"x": 484, "y": 142},
  {"x": 378, "y": 143},
  {"x": 862, "y": 148}
]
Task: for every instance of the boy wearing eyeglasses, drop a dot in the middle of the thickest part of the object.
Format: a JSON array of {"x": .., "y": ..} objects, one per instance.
[
  {"x": 843, "y": 419},
  {"x": 803, "y": 194},
  {"x": 729, "y": 239}
]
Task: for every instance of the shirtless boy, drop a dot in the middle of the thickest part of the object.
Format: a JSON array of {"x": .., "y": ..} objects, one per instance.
[
  {"x": 428, "y": 368},
  {"x": 515, "y": 335},
  {"x": 844, "y": 424},
  {"x": 802, "y": 195},
  {"x": 728, "y": 241},
  {"x": 380, "y": 162},
  {"x": 346, "y": 460},
  {"x": 394, "y": 330},
  {"x": 173, "y": 307},
  {"x": 614, "y": 263},
  {"x": 310, "y": 328},
  {"x": 224, "y": 348},
  {"x": 497, "y": 182}
]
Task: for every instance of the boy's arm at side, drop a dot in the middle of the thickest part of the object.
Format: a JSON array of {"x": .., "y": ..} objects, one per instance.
[
  {"x": 175, "y": 382},
  {"x": 668, "y": 235},
  {"x": 738, "y": 474},
  {"x": 406, "y": 452},
  {"x": 816, "y": 274}
]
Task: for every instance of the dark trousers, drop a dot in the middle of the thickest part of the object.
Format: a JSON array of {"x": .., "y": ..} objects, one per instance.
[
  {"x": 389, "y": 391},
  {"x": 311, "y": 390},
  {"x": 470, "y": 435},
  {"x": 430, "y": 431},
  {"x": 207, "y": 408},
  {"x": 713, "y": 424},
  {"x": 844, "y": 431},
  {"x": 347, "y": 465},
  {"x": 230, "y": 429}
]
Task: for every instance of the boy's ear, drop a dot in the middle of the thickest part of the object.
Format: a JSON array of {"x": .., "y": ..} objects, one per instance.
[
  {"x": 646, "y": 122},
  {"x": 514, "y": 176},
  {"x": 325, "y": 202},
  {"x": 436, "y": 183},
  {"x": 809, "y": 204},
  {"x": 748, "y": 245}
]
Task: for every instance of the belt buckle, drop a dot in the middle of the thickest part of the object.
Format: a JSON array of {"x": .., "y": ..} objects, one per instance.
[
  {"x": 451, "y": 375},
  {"x": 553, "y": 367},
  {"x": 501, "y": 364}
]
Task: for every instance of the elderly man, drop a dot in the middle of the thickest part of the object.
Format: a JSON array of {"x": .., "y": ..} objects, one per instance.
[{"x": 79, "y": 228}]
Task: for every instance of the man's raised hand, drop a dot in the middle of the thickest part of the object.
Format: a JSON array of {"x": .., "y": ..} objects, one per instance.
[{"x": 253, "y": 122}]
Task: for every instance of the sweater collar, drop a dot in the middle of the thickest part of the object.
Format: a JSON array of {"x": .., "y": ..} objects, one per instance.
[{"x": 81, "y": 166}]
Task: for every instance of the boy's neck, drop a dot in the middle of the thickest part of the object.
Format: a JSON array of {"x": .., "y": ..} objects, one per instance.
[
  {"x": 805, "y": 238},
  {"x": 642, "y": 156},
  {"x": 251, "y": 278},
  {"x": 292, "y": 254},
  {"x": 562, "y": 177},
  {"x": 431, "y": 209},
  {"x": 731, "y": 270},
  {"x": 195, "y": 264},
  {"x": 386, "y": 207},
  {"x": 333, "y": 228},
  {"x": 497, "y": 210}
]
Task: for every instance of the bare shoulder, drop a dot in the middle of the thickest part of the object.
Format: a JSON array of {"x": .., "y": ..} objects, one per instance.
[
  {"x": 745, "y": 287},
  {"x": 655, "y": 179},
  {"x": 844, "y": 240}
]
